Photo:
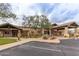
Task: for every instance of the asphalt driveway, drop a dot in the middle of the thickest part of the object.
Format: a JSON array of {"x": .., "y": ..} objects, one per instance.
[{"x": 65, "y": 48}]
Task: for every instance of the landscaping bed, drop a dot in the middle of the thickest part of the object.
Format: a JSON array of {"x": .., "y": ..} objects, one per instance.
[{"x": 6, "y": 41}]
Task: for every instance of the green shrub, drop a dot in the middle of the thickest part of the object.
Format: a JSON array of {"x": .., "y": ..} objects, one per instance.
[
  {"x": 66, "y": 36},
  {"x": 77, "y": 35}
]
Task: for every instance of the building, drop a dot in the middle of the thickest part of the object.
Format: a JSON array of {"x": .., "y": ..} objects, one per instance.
[
  {"x": 10, "y": 30},
  {"x": 66, "y": 30},
  {"x": 70, "y": 29}
]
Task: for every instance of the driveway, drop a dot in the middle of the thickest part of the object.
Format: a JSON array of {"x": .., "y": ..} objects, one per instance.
[
  {"x": 35, "y": 48},
  {"x": 70, "y": 47}
]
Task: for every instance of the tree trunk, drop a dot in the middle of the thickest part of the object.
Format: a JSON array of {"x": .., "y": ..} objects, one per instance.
[
  {"x": 42, "y": 31},
  {"x": 29, "y": 33},
  {"x": 66, "y": 34},
  {"x": 50, "y": 32}
]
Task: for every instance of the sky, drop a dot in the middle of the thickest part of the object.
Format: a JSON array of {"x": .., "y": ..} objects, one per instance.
[{"x": 56, "y": 12}]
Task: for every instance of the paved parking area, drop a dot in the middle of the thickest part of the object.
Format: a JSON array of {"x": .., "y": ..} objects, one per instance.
[{"x": 65, "y": 48}]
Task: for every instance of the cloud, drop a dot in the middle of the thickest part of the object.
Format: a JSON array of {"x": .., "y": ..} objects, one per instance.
[
  {"x": 56, "y": 12},
  {"x": 37, "y": 8},
  {"x": 22, "y": 8},
  {"x": 75, "y": 19}
]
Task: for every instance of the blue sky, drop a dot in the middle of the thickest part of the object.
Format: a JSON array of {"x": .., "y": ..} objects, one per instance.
[{"x": 56, "y": 12}]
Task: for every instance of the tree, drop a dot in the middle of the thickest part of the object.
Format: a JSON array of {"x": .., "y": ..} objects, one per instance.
[
  {"x": 45, "y": 24},
  {"x": 25, "y": 20},
  {"x": 38, "y": 22},
  {"x": 28, "y": 22},
  {"x": 5, "y": 11}
]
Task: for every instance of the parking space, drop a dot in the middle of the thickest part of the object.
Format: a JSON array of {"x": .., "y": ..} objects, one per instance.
[
  {"x": 65, "y": 48},
  {"x": 70, "y": 42},
  {"x": 70, "y": 47}
]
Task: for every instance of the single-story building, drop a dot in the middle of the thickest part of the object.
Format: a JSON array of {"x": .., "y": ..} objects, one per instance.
[
  {"x": 66, "y": 30},
  {"x": 9, "y": 30}
]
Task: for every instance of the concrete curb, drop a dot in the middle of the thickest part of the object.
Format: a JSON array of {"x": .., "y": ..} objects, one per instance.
[{"x": 3, "y": 47}]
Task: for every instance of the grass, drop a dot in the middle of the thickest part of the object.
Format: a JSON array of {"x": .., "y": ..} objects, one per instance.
[{"x": 6, "y": 41}]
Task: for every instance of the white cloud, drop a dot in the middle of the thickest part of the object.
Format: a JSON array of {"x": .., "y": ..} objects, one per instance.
[
  {"x": 75, "y": 19},
  {"x": 22, "y": 8},
  {"x": 62, "y": 10}
]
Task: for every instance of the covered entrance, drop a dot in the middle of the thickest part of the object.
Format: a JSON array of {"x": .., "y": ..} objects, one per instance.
[
  {"x": 8, "y": 30},
  {"x": 66, "y": 30}
]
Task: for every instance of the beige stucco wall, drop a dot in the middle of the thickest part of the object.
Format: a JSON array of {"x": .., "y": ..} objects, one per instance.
[
  {"x": 77, "y": 32},
  {"x": 1, "y": 33},
  {"x": 66, "y": 32}
]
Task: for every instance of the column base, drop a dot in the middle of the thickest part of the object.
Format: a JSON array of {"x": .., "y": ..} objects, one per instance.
[{"x": 66, "y": 35}]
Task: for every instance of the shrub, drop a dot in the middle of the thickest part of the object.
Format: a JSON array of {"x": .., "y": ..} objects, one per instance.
[
  {"x": 77, "y": 35},
  {"x": 66, "y": 36},
  {"x": 45, "y": 37},
  {"x": 53, "y": 37}
]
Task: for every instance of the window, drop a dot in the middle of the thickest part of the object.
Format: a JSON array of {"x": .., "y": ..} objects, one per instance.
[
  {"x": 6, "y": 32},
  {"x": 72, "y": 31}
]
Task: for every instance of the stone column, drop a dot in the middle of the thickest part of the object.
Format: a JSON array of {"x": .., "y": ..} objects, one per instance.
[
  {"x": 28, "y": 33},
  {"x": 42, "y": 31},
  {"x": 10, "y": 33},
  {"x": 66, "y": 34},
  {"x": 19, "y": 34},
  {"x": 77, "y": 32}
]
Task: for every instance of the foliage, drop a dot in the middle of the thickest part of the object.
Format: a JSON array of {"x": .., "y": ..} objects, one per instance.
[
  {"x": 36, "y": 21},
  {"x": 66, "y": 36},
  {"x": 5, "y": 11},
  {"x": 34, "y": 34},
  {"x": 77, "y": 35},
  {"x": 45, "y": 37},
  {"x": 53, "y": 37}
]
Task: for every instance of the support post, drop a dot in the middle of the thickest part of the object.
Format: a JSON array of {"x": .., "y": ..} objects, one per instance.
[
  {"x": 42, "y": 31},
  {"x": 66, "y": 32},
  {"x": 19, "y": 34},
  {"x": 77, "y": 32}
]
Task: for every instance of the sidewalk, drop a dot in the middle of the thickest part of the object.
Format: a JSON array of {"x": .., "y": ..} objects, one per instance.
[{"x": 23, "y": 40}]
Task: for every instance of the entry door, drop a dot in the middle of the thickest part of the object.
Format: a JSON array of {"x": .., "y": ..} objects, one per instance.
[
  {"x": 71, "y": 32},
  {"x": 14, "y": 33}
]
